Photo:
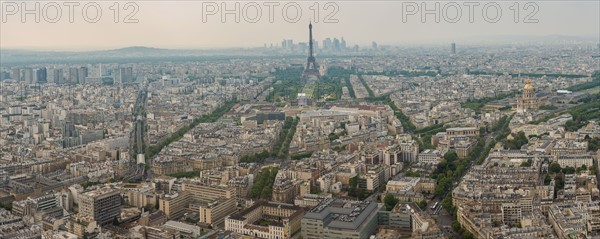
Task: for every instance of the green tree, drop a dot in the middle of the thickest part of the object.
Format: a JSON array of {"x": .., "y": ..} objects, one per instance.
[
  {"x": 527, "y": 163},
  {"x": 593, "y": 143},
  {"x": 266, "y": 193},
  {"x": 353, "y": 181},
  {"x": 559, "y": 183},
  {"x": 263, "y": 185},
  {"x": 412, "y": 174},
  {"x": 467, "y": 235},
  {"x": 568, "y": 170},
  {"x": 456, "y": 227},
  {"x": 7, "y": 206},
  {"x": 450, "y": 156},
  {"x": 423, "y": 204},
  {"x": 548, "y": 107},
  {"x": 390, "y": 201},
  {"x": 519, "y": 140},
  {"x": 554, "y": 167},
  {"x": 547, "y": 179},
  {"x": 580, "y": 169}
]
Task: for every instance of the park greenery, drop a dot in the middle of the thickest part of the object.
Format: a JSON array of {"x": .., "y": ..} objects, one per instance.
[
  {"x": 407, "y": 125},
  {"x": 188, "y": 174},
  {"x": 478, "y": 104},
  {"x": 410, "y": 173},
  {"x": 6, "y": 205},
  {"x": 255, "y": 158},
  {"x": 282, "y": 145},
  {"x": 364, "y": 83},
  {"x": 518, "y": 141},
  {"x": 431, "y": 129},
  {"x": 350, "y": 88},
  {"x": 588, "y": 85},
  {"x": 301, "y": 155},
  {"x": 593, "y": 144},
  {"x": 263, "y": 187},
  {"x": 485, "y": 153},
  {"x": 448, "y": 170},
  {"x": 426, "y": 133},
  {"x": 543, "y": 119},
  {"x": 527, "y": 163},
  {"x": 500, "y": 124},
  {"x": 502, "y": 128},
  {"x": 337, "y": 72},
  {"x": 286, "y": 83},
  {"x": 548, "y": 107},
  {"x": 588, "y": 109},
  {"x": 547, "y": 179},
  {"x": 559, "y": 182},
  {"x": 329, "y": 87},
  {"x": 422, "y": 204}
]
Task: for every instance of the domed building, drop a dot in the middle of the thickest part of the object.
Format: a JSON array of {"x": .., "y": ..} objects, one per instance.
[{"x": 528, "y": 99}]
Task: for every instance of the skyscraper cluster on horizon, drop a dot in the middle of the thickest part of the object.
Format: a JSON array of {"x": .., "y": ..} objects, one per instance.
[{"x": 328, "y": 45}]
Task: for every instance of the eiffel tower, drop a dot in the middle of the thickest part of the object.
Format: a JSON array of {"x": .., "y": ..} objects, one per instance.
[{"x": 311, "y": 72}]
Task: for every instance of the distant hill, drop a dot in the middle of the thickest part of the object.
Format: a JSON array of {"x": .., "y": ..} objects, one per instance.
[
  {"x": 137, "y": 49},
  {"x": 121, "y": 55}
]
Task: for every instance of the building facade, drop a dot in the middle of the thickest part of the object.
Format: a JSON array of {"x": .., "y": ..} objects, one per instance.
[
  {"x": 336, "y": 218},
  {"x": 266, "y": 220},
  {"x": 103, "y": 205}
]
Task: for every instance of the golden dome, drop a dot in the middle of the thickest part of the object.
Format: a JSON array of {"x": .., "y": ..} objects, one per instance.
[{"x": 528, "y": 85}]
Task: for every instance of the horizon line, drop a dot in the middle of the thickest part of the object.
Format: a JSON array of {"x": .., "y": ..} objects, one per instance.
[{"x": 470, "y": 41}]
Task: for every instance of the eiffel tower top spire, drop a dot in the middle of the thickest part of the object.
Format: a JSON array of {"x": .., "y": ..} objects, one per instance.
[{"x": 310, "y": 40}]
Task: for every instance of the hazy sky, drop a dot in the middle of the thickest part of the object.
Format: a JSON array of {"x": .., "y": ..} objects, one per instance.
[{"x": 179, "y": 24}]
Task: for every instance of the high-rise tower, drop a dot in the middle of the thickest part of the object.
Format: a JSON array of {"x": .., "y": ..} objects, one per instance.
[{"x": 311, "y": 72}]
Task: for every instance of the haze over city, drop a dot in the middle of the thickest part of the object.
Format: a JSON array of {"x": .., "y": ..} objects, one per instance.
[
  {"x": 179, "y": 24},
  {"x": 355, "y": 120}
]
